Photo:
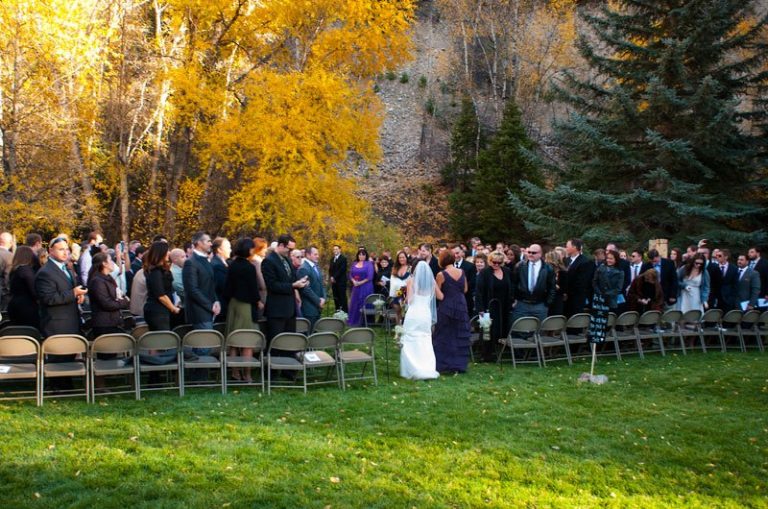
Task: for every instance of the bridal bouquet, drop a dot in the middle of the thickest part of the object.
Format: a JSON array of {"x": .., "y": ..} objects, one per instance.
[
  {"x": 485, "y": 321},
  {"x": 341, "y": 315}
]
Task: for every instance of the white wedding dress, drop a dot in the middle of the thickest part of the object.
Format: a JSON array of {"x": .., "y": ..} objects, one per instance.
[{"x": 417, "y": 358}]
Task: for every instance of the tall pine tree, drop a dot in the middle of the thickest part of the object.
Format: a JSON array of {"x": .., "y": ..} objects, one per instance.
[{"x": 657, "y": 145}]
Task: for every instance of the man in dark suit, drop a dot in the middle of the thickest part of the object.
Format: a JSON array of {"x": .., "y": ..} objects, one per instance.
[
  {"x": 425, "y": 253},
  {"x": 201, "y": 304},
  {"x": 57, "y": 292},
  {"x": 221, "y": 250},
  {"x": 470, "y": 272},
  {"x": 534, "y": 286},
  {"x": 715, "y": 276},
  {"x": 281, "y": 281},
  {"x": 312, "y": 295},
  {"x": 581, "y": 269},
  {"x": 337, "y": 273},
  {"x": 667, "y": 274},
  {"x": 748, "y": 286},
  {"x": 759, "y": 265},
  {"x": 729, "y": 296}
]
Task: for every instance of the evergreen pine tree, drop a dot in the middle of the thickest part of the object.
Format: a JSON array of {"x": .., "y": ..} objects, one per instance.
[
  {"x": 466, "y": 142},
  {"x": 485, "y": 210},
  {"x": 657, "y": 145}
]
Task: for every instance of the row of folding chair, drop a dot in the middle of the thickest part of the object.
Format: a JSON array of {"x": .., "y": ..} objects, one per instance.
[
  {"x": 631, "y": 332},
  {"x": 156, "y": 352}
]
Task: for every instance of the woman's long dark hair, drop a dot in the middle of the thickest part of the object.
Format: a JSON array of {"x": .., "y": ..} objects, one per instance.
[
  {"x": 97, "y": 263},
  {"x": 155, "y": 257},
  {"x": 691, "y": 261}
]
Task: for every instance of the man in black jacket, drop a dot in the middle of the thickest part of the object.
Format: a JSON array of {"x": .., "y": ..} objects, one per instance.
[
  {"x": 337, "y": 274},
  {"x": 470, "y": 272},
  {"x": 201, "y": 305},
  {"x": 280, "y": 278},
  {"x": 759, "y": 265},
  {"x": 534, "y": 286},
  {"x": 578, "y": 290}
]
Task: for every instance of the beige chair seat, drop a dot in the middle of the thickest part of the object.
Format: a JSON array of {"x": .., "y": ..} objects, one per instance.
[
  {"x": 355, "y": 356},
  {"x": 19, "y": 371},
  {"x": 111, "y": 367},
  {"x": 326, "y": 359},
  {"x": 172, "y": 366},
  {"x": 547, "y": 341},
  {"x": 203, "y": 361},
  {"x": 285, "y": 363},
  {"x": 64, "y": 369},
  {"x": 239, "y": 361}
]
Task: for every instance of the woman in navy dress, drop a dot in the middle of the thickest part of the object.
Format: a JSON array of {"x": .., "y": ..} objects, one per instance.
[
  {"x": 361, "y": 275},
  {"x": 450, "y": 338}
]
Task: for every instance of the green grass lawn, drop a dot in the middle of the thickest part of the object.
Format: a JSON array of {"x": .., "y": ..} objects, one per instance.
[{"x": 675, "y": 431}]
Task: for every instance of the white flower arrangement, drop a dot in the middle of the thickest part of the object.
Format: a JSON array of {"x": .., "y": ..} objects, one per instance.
[
  {"x": 485, "y": 321},
  {"x": 341, "y": 315},
  {"x": 398, "y": 332},
  {"x": 378, "y": 304}
]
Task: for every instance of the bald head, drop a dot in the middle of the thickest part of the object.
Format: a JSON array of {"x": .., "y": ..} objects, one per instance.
[
  {"x": 6, "y": 240},
  {"x": 534, "y": 253},
  {"x": 178, "y": 257}
]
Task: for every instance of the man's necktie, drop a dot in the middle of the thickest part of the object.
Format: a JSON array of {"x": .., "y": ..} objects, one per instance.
[
  {"x": 531, "y": 278},
  {"x": 741, "y": 273},
  {"x": 722, "y": 269}
]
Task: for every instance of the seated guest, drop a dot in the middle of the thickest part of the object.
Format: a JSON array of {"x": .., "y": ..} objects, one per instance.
[
  {"x": 159, "y": 305},
  {"x": 105, "y": 297},
  {"x": 22, "y": 308},
  {"x": 645, "y": 293}
]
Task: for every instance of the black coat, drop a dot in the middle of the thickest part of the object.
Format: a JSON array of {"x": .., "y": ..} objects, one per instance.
[
  {"x": 715, "y": 285},
  {"x": 105, "y": 306},
  {"x": 199, "y": 289},
  {"x": 729, "y": 291},
  {"x": 242, "y": 284},
  {"x": 23, "y": 307},
  {"x": 281, "y": 301},
  {"x": 470, "y": 272},
  {"x": 220, "y": 278},
  {"x": 668, "y": 280},
  {"x": 761, "y": 267},
  {"x": 338, "y": 271},
  {"x": 544, "y": 290},
  {"x": 59, "y": 313},
  {"x": 486, "y": 296},
  {"x": 579, "y": 285}
]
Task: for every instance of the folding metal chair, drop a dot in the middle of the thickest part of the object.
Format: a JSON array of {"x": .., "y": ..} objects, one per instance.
[
  {"x": 528, "y": 325},
  {"x": 750, "y": 322},
  {"x": 170, "y": 360},
  {"x": 65, "y": 344},
  {"x": 576, "y": 333},
  {"x": 670, "y": 328},
  {"x": 122, "y": 345},
  {"x": 709, "y": 326},
  {"x": 211, "y": 339},
  {"x": 624, "y": 331},
  {"x": 322, "y": 352},
  {"x": 730, "y": 327},
  {"x": 16, "y": 352},
  {"x": 246, "y": 338},
  {"x": 290, "y": 343},
  {"x": 363, "y": 351},
  {"x": 689, "y": 326},
  {"x": 552, "y": 335},
  {"x": 648, "y": 329},
  {"x": 328, "y": 324}
]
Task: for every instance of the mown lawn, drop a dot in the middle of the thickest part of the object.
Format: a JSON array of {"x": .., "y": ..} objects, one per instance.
[{"x": 687, "y": 431}]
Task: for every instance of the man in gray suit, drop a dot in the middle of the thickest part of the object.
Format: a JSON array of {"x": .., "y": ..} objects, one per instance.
[
  {"x": 313, "y": 295},
  {"x": 748, "y": 287}
]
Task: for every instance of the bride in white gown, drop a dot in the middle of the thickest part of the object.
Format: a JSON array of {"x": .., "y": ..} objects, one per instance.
[{"x": 417, "y": 358}]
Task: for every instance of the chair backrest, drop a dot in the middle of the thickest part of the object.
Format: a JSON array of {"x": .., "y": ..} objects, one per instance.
[
  {"x": 712, "y": 316},
  {"x": 203, "y": 338},
  {"x": 323, "y": 340},
  {"x": 113, "y": 343},
  {"x": 750, "y": 318},
  {"x": 247, "y": 338},
  {"x": 733, "y": 316},
  {"x": 159, "y": 340},
  {"x": 329, "y": 324},
  {"x": 21, "y": 330},
  {"x": 139, "y": 331},
  {"x": 65, "y": 344},
  {"x": 578, "y": 321},
  {"x": 17, "y": 346},
  {"x": 628, "y": 319},
  {"x": 692, "y": 316},
  {"x": 302, "y": 325},
  {"x": 289, "y": 342},
  {"x": 370, "y": 299},
  {"x": 358, "y": 336},
  {"x": 182, "y": 330},
  {"x": 554, "y": 323},
  {"x": 649, "y": 318},
  {"x": 671, "y": 316},
  {"x": 764, "y": 319},
  {"x": 611, "y": 320},
  {"x": 526, "y": 324}
]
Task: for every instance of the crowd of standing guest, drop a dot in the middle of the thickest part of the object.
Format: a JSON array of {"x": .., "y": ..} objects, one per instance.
[{"x": 207, "y": 281}]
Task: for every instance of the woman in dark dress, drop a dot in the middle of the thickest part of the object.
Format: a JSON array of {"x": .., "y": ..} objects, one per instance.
[
  {"x": 607, "y": 285},
  {"x": 159, "y": 305},
  {"x": 23, "y": 308},
  {"x": 382, "y": 277},
  {"x": 494, "y": 296},
  {"x": 103, "y": 297},
  {"x": 555, "y": 260},
  {"x": 242, "y": 292},
  {"x": 450, "y": 339}
]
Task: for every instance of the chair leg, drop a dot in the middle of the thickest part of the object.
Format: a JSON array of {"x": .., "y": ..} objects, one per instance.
[{"x": 639, "y": 345}]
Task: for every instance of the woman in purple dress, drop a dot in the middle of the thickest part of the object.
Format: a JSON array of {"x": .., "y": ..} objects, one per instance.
[
  {"x": 450, "y": 338},
  {"x": 361, "y": 275}
]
